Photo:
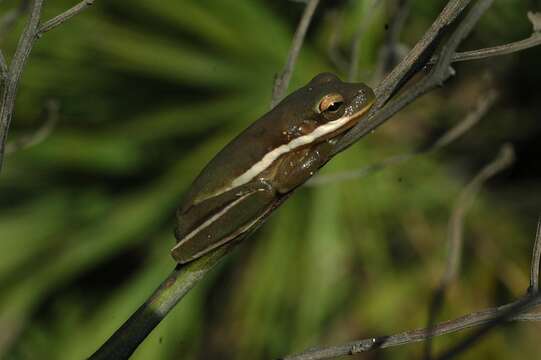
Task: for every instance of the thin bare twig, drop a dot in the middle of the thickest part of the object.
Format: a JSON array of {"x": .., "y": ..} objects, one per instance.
[
  {"x": 455, "y": 232},
  {"x": 437, "y": 75},
  {"x": 38, "y": 136},
  {"x": 412, "y": 336},
  {"x": 536, "y": 259},
  {"x": 281, "y": 82},
  {"x": 356, "y": 43},
  {"x": 422, "y": 51},
  {"x": 473, "y": 117},
  {"x": 504, "y": 159},
  {"x": 11, "y": 79},
  {"x": 483, "y": 105},
  {"x": 9, "y": 92},
  {"x": 522, "y": 305},
  {"x": 505, "y": 49},
  {"x": 66, "y": 15}
]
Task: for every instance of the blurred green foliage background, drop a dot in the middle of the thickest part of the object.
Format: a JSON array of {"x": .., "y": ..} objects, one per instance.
[{"x": 150, "y": 90}]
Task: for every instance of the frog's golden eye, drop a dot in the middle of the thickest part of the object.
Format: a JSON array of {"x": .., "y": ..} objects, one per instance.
[{"x": 331, "y": 103}]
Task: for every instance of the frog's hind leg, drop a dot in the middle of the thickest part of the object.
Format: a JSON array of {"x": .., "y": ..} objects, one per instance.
[{"x": 226, "y": 220}]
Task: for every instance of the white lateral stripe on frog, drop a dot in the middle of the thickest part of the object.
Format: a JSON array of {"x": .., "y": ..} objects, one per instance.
[{"x": 271, "y": 156}]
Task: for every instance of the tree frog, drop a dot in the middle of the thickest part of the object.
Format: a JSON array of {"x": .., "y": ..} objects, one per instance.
[{"x": 270, "y": 158}]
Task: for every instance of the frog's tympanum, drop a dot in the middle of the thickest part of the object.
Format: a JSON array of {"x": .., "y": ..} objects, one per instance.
[{"x": 277, "y": 153}]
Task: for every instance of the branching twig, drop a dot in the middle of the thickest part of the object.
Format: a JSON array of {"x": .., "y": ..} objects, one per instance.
[
  {"x": 282, "y": 80},
  {"x": 533, "y": 40},
  {"x": 376, "y": 117},
  {"x": 482, "y": 107},
  {"x": 438, "y": 74},
  {"x": 12, "y": 77},
  {"x": 420, "y": 52},
  {"x": 455, "y": 232},
  {"x": 66, "y": 15}
]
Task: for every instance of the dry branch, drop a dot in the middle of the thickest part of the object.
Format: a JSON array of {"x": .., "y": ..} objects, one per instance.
[
  {"x": 416, "y": 58},
  {"x": 408, "y": 337},
  {"x": 420, "y": 52},
  {"x": 63, "y": 17},
  {"x": 505, "y": 49},
  {"x": 455, "y": 232},
  {"x": 11, "y": 75}
]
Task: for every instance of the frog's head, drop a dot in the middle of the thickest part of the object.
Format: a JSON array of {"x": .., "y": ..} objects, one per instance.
[{"x": 326, "y": 107}]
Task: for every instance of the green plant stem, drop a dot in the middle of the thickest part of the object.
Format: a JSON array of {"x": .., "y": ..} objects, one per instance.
[{"x": 127, "y": 338}]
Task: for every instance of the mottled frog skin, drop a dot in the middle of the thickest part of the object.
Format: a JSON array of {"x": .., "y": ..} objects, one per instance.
[{"x": 275, "y": 154}]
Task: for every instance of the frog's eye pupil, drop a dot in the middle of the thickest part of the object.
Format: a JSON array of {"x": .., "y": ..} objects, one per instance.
[{"x": 335, "y": 106}]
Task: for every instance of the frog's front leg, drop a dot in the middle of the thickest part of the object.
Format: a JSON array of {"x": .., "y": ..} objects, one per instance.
[{"x": 296, "y": 167}]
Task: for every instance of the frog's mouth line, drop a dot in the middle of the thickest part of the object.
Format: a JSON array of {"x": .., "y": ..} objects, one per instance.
[{"x": 321, "y": 133}]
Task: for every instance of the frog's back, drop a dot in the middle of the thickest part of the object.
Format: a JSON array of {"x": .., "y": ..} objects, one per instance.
[{"x": 236, "y": 158}]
